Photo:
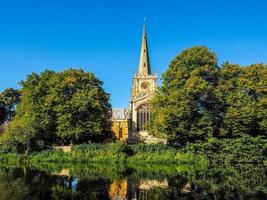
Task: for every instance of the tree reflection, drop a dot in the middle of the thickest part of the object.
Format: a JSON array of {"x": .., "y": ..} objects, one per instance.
[{"x": 243, "y": 181}]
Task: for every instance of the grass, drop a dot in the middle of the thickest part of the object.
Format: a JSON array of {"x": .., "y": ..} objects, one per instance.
[{"x": 108, "y": 153}]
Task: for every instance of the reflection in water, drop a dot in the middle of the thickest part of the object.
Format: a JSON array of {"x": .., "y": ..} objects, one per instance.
[
  {"x": 246, "y": 181},
  {"x": 130, "y": 189},
  {"x": 186, "y": 188},
  {"x": 118, "y": 189}
]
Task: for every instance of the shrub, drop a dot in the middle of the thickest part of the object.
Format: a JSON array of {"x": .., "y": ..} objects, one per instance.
[
  {"x": 245, "y": 149},
  {"x": 4, "y": 149},
  {"x": 137, "y": 148}
]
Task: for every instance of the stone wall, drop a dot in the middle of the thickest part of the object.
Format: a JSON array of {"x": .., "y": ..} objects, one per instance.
[
  {"x": 64, "y": 148},
  {"x": 120, "y": 129}
]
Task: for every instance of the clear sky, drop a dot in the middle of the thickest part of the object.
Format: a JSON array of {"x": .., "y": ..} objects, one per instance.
[{"x": 105, "y": 36}]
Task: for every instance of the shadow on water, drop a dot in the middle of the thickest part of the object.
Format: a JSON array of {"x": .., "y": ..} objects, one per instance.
[{"x": 103, "y": 181}]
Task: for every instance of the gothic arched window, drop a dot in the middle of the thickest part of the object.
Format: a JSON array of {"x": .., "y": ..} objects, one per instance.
[{"x": 143, "y": 117}]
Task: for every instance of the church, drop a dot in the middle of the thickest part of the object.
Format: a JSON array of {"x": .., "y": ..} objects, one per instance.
[{"x": 132, "y": 124}]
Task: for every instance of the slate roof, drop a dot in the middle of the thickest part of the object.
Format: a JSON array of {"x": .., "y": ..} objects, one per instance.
[{"x": 119, "y": 113}]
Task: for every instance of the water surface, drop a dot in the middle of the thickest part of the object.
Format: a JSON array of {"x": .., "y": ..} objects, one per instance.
[{"x": 110, "y": 181}]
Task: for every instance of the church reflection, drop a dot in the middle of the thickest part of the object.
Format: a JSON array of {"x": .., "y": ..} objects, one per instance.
[
  {"x": 124, "y": 189},
  {"x": 219, "y": 182},
  {"x": 132, "y": 189}
]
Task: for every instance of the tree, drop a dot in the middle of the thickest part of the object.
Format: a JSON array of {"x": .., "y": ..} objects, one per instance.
[
  {"x": 187, "y": 107},
  {"x": 2, "y": 112},
  {"x": 244, "y": 92},
  {"x": 63, "y": 108},
  {"x": 199, "y": 100},
  {"x": 9, "y": 98},
  {"x": 19, "y": 135}
]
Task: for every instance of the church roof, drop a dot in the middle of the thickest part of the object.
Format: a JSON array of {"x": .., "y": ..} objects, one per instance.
[{"x": 119, "y": 114}]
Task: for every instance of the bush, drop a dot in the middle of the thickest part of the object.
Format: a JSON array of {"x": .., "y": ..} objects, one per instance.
[
  {"x": 138, "y": 148},
  {"x": 100, "y": 152},
  {"x": 245, "y": 149},
  {"x": 4, "y": 149}
]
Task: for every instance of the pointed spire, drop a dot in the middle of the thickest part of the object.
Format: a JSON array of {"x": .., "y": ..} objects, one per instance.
[{"x": 144, "y": 64}]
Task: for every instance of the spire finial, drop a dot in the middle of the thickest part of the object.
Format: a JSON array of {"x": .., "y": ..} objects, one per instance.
[{"x": 144, "y": 23}]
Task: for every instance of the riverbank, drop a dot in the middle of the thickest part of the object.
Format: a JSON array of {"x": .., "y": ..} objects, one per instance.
[
  {"x": 108, "y": 153},
  {"x": 243, "y": 151}
]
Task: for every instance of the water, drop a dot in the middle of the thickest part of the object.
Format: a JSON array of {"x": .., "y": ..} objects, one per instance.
[{"x": 110, "y": 181}]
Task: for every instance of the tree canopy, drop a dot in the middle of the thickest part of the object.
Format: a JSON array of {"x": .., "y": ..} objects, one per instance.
[
  {"x": 244, "y": 91},
  {"x": 60, "y": 108},
  {"x": 199, "y": 100}
]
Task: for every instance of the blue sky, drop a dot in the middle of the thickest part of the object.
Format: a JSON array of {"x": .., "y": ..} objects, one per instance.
[{"x": 105, "y": 36}]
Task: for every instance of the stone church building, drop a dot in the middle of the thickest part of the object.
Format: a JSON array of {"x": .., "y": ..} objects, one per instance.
[{"x": 132, "y": 124}]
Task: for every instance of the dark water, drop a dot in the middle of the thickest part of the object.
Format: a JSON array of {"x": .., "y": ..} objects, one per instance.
[{"x": 109, "y": 181}]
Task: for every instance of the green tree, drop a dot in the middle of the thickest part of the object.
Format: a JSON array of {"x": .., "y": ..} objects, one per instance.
[
  {"x": 187, "y": 107},
  {"x": 199, "y": 100},
  {"x": 244, "y": 91},
  {"x": 9, "y": 98},
  {"x": 61, "y": 108},
  {"x": 2, "y": 112},
  {"x": 20, "y": 135}
]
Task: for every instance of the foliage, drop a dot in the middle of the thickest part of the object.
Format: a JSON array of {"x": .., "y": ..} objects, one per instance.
[
  {"x": 246, "y": 149},
  {"x": 240, "y": 150},
  {"x": 13, "y": 159},
  {"x": 143, "y": 148},
  {"x": 199, "y": 101},
  {"x": 2, "y": 127},
  {"x": 3, "y": 113},
  {"x": 9, "y": 98},
  {"x": 154, "y": 153},
  {"x": 5, "y": 149},
  {"x": 187, "y": 106},
  {"x": 100, "y": 153},
  {"x": 20, "y": 135},
  {"x": 108, "y": 153},
  {"x": 60, "y": 108},
  {"x": 244, "y": 92}
]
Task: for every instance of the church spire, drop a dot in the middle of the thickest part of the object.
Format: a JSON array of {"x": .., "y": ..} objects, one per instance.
[{"x": 144, "y": 64}]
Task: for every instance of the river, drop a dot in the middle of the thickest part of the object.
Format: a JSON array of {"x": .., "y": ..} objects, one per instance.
[{"x": 113, "y": 181}]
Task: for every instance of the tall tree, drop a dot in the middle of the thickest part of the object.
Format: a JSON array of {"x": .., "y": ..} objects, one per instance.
[
  {"x": 198, "y": 100},
  {"x": 187, "y": 106},
  {"x": 62, "y": 108}
]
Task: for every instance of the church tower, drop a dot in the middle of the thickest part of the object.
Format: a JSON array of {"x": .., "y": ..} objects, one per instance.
[{"x": 144, "y": 86}]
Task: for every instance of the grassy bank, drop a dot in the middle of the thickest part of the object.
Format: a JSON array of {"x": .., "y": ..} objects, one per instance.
[
  {"x": 243, "y": 150},
  {"x": 108, "y": 153}
]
